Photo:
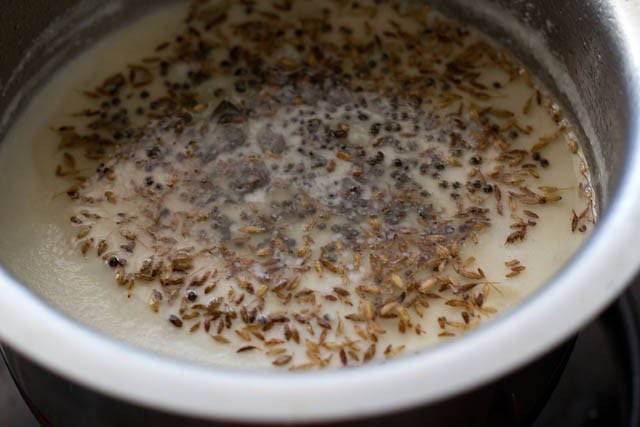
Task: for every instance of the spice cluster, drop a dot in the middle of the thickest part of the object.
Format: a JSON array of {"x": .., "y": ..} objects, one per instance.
[{"x": 302, "y": 183}]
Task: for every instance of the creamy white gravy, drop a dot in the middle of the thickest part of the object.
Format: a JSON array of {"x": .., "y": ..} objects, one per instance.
[{"x": 403, "y": 215}]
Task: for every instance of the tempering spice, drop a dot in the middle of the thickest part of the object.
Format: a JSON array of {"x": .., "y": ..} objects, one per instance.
[{"x": 256, "y": 154}]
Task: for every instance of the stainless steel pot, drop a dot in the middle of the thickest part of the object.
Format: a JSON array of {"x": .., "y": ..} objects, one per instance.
[{"x": 583, "y": 49}]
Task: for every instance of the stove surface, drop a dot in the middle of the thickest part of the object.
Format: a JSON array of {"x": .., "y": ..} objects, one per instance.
[
  {"x": 598, "y": 388},
  {"x": 13, "y": 410}
]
